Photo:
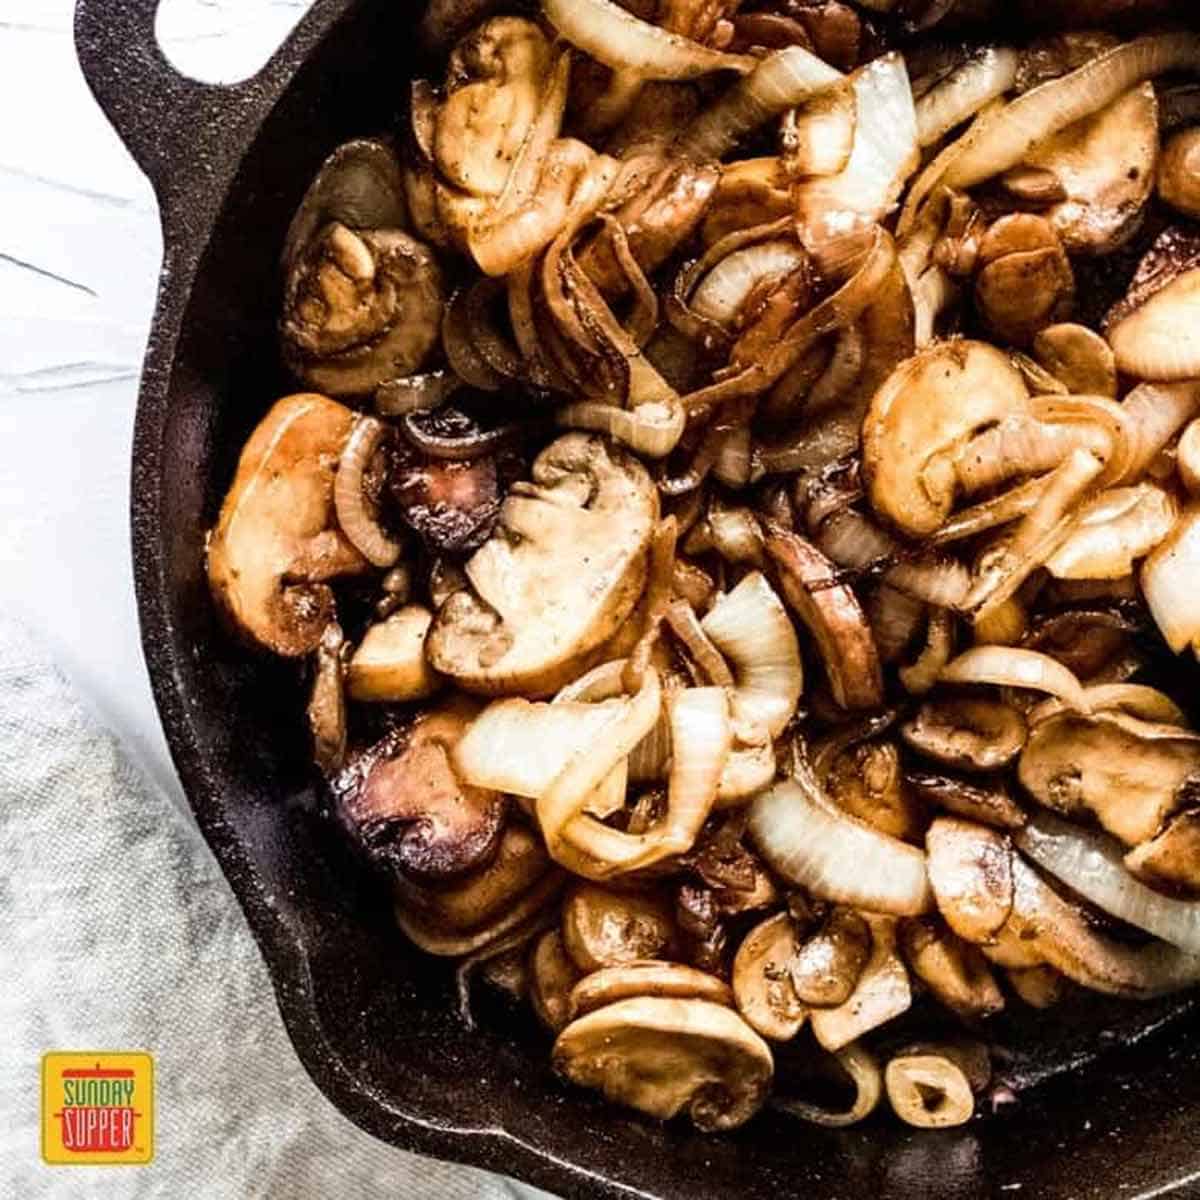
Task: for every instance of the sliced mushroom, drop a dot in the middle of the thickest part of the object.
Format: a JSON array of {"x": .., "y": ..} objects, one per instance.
[
  {"x": 973, "y": 733},
  {"x": 867, "y": 782},
  {"x": 1187, "y": 458},
  {"x": 1179, "y": 172},
  {"x": 970, "y": 871},
  {"x": 553, "y": 974},
  {"x": 327, "y": 701},
  {"x": 1039, "y": 987},
  {"x": 827, "y": 967},
  {"x": 605, "y": 928},
  {"x": 561, "y": 573},
  {"x": 985, "y": 801},
  {"x": 955, "y": 972},
  {"x": 361, "y": 307},
  {"x": 1024, "y": 279},
  {"x": 1105, "y": 163},
  {"x": 276, "y": 542},
  {"x": 1082, "y": 639},
  {"x": 1128, "y": 773},
  {"x": 1079, "y": 358},
  {"x": 883, "y": 992},
  {"x": 1168, "y": 580},
  {"x": 919, "y": 419},
  {"x": 405, "y": 805},
  {"x": 762, "y": 984},
  {"x": 646, "y": 978},
  {"x": 662, "y": 1056},
  {"x": 930, "y": 1086},
  {"x": 1172, "y": 857},
  {"x": 833, "y": 615},
  {"x": 390, "y": 662}
]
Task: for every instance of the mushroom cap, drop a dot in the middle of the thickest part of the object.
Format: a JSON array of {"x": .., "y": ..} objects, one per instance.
[
  {"x": 276, "y": 541},
  {"x": 827, "y": 967},
  {"x": 1172, "y": 857},
  {"x": 606, "y": 928},
  {"x": 1079, "y": 358},
  {"x": 919, "y": 419},
  {"x": 970, "y": 871},
  {"x": 974, "y": 733},
  {"x": 762, "y": 983},
  {"x": 552, "y": 975},
  {"x": 663, "y": 1055},
  {"x": 1025, "y": 281},
  {"x": 646, "y": 977},
  {"x": 389, "y": 663},
  {"x": 563, "y": 569},
  {"x": 1127, "y": 772},
  {"x": 1179, "y": 172}
]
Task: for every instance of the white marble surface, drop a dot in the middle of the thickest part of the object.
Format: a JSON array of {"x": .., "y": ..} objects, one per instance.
[{"x": 79, "y": 258}]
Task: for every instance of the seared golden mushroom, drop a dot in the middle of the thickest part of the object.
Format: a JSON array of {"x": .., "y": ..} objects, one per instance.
[
  {"x": 762, "y": 984},
  {"x": 646, "y": 977},
  {"x": 276, "y": 542},
  {"x": 1179, "y": 172},
  {"x": 662, "y": 1056},
  {"x": 606, "y": 928},
  {"x": 867, "y": 782},
  {"x": 406, "y": 805},
  {"x": 1039, "y": 987},
  {"x": 1168, "y": 581},
  {"x": 563, "y": 570},
  {"x": 970, "y": 871},
  {"x": 1024, "y": 280},
  {"x": 327, "y": 701},
  {"x": 883, "y": 992},
  {"x": 827, "y": 967},
  {"x": 986, "y": 801},
  {"x": 1187, "y": 458},
  {"x": 919, "y": 420},
  {"x": 460, "y": 916},
  {"x": 553, "y": 974},
  {"x": 1126, "y": 772},
  {"x": 933, "y": 1085},
  {"x": 955, "y": 972},
  {"x": 974, "y": 733},
  {"x": 389, "y": 663},
  {"x": 1079, "y": 358},
  {"x": 1172, "y": 857}
]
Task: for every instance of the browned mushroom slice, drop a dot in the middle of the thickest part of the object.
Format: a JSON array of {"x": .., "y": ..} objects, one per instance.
[
  {"x": 276, "y": 542},
  {"x": 327, "y": 701},
  {"x": 1105, "y": 164},
  {"x": 361, "y": 307},
  {"x": 970, "y": 871},
  {"x": 1179, "y": 172},
  {"x": 955, "y": 972},
  {"x": 404, "y": 803},
  {"x": 1039, "y": 987},
  {"x": 1025, "y": 281},
  {"x": 1079, "y": 358},
  {"x": 389, "y": 663},
  {"x": 762, "y": 985},
  {"x": 826, "y": 969},
  {"x": 1130, "y": 774},
  {"x": 662, "y": 1056},
  {"x": 973, "y": 733},
  {"x": 933, "y": 1085},
  {"x": 986, "y": 801},
  {"x": 605, "y": 928},
  {"x": 553, "y": 974},
  {"x": 833, "y": 615},
  {"x": 563, "y": 570},
  {"x": 923, "y": 414},
  {"x": 882, "y": 993},
  {"x": 1170, "y": 858},
  {"x": 868, "y": 783},
  {"x": 649, "y": 977}
]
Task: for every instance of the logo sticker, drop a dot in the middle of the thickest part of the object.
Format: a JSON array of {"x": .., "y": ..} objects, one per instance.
[{"x": 97, "y": 1108}]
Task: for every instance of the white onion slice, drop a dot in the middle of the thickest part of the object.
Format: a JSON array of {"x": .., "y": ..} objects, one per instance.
[
  {"x": 1091, "y": 864},
  {"x": 1012, "y": 666},
  {"x": 652, "y": 429},
  {"x": 818, "y": 138},
  {"x": 620, "y": 40},
  {"x": 724, "y": 290},
  {"x": 814, "y": 845},
  {"x": 361, "y": 528},
  {"x": 780, "y": 81},
  {"x": 1171, "y": 583},
  {"x": 1160, "y": 339},
  {"x": 1113, "y": 529},
  {"x": 1156, "y": 412},
  {"x": 984, "y": 76}
]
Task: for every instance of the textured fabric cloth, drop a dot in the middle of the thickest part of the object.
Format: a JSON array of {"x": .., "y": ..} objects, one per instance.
[{"x": 118, "y": 932}]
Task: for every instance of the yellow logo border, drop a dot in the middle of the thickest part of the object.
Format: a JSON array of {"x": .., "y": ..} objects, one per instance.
[{"x": 98, "y": 1161}]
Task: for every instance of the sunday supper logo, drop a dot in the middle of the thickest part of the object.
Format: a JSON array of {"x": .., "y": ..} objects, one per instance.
[{"x": 97, "y": 1108}]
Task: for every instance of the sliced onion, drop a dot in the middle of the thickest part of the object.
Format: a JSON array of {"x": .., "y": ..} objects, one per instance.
[
  {"x": 1091, "y": 864},
  {"x": 652, "y": 429},
  {"x": 1136, "y": 699},
  {"x": 1187, "y": 458},
  {"x": 461, "y": 448},
  {"x": 734, "y": 465},
  {"x": 1111, "y": 531},
  {"x": 989, "y": 514},
  {"x": 1022, "y": 445},
  {"x": 736, "y": 534},
  {"x": 863, "y": 1069},
  {"x": 362, "y": 529},
  {"x": 814, "y": 845},
  {"x": 465, "y": 360},
  {"x": 844, "y": 370},
  {"x": 780, "y": 81},
  {"x": 681, "y": 618},
  {"x": 1171, "y": 583},
  {"x": 933, "y": 293},
  {"x": 1008, "y": 136},
  {"x": 416, "y": 393},
  {"x": 819, "y": 138},
  {"x": 723, "y": 291},
  {"x": 620, "y": 40},
  {"x": 1012, "y": 666},
  {"x": 751, "y": 628},
  {"x": 919, "y": 676},
  {"x": 988, "y": 73},
  {"x": 1156, "y": 413}
]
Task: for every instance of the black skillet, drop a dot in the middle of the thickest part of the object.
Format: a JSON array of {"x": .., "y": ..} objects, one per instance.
[{"x": 1118, "y": 1105}]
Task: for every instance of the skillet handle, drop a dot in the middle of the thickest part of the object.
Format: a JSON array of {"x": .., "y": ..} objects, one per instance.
[{"x": 163, "y": 117}]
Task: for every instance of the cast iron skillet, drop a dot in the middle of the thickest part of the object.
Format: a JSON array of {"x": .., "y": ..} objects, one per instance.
[{"x": 372, "y": 1019}]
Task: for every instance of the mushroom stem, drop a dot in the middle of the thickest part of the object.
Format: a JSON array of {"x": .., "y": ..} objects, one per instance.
[{"x": 929, "y": 1088}]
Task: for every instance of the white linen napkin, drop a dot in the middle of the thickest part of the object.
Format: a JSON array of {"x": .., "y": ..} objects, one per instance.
[{"x": 118, "y": 932}]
